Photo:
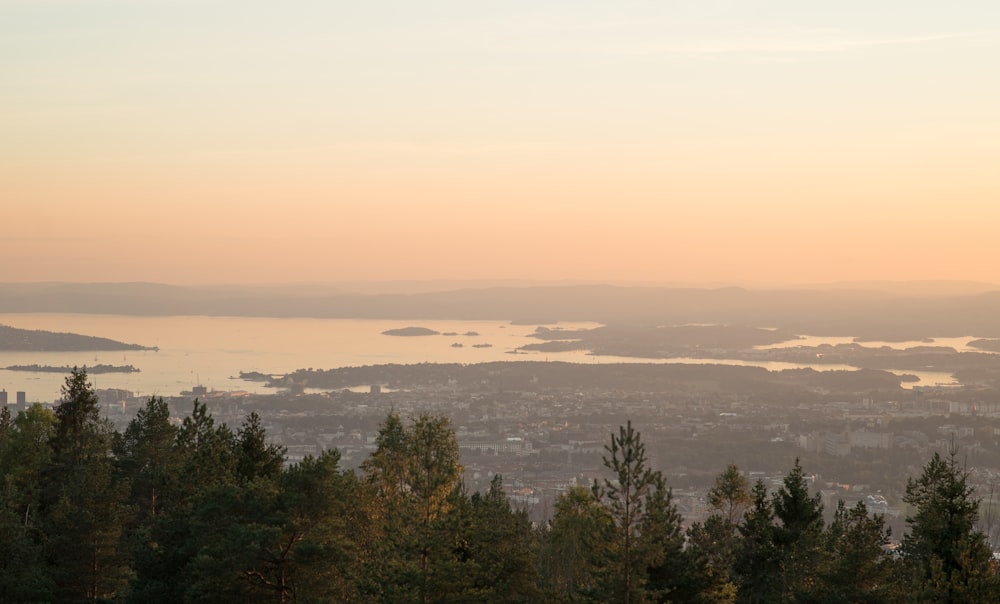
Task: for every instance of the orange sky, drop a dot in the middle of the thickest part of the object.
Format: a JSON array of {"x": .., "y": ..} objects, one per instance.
[{"x": 743, "y": 142}]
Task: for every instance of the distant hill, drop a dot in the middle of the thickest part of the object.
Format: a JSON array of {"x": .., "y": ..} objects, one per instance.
[
  {"x": 866, "y": 312},
  {"x": 12, "y": 338}
]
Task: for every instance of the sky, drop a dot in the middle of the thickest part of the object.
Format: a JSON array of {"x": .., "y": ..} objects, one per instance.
[{"x": 706, "y": 141}]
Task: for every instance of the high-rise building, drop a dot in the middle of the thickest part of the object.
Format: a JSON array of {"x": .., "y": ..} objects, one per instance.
[{"x": 22, "y": 399}]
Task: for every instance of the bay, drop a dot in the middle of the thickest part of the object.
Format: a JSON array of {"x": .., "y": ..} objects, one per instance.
[{"x": 211, "y": 351}]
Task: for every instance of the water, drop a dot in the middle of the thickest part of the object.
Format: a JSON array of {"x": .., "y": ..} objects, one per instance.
[{"x": 210, "y": 350}]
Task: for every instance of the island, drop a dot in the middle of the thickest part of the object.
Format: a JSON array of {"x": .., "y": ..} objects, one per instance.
[
  {"x": 410, "y": 332},
  {"x": 66, "y": 369}
]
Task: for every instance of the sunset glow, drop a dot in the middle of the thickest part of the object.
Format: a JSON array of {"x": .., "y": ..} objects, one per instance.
[{"x": 717, "y": 142}]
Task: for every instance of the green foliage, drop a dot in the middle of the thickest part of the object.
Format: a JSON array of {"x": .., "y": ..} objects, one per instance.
[
  {"x": 83, "y": 504},
  {"x": 713, "y": 545},
  {"x": 858, "y": 568},
  {"x": 758, "y": 563},
  {"x": 797, "y": 536},
  {"x": 946, "y": 558},
  {"x": 255, "y": 457},
  {"x": 578, "y": 550},
  {"x": 200, "y": 513},
  {"x": 730, "y": 496},
  {"x": 25, "y": 575},
  {"x": 660, "y": 548},
  {"x": 626, "y": 494},
  {"x": 147, "y": 457},
  {"x": 416, "y": 541},
  {"x": 501, "y": 544}
]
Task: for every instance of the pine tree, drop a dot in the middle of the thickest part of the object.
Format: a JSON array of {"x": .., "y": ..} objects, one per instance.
[
  {"x": 315, "y": 550},
  {"x": 627, "y": 461},
  {"x": 207, "y": 459},
  {"x": 714, "y": 544},
  {"x": 947, "y": 559},
  {"x": 24, "y": 453},
  {"x": 83, "y": 504},
  {"x": 148, "y": 458}
]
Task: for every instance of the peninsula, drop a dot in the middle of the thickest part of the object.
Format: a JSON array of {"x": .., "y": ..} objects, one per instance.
[{"x": 32, "y": 340}]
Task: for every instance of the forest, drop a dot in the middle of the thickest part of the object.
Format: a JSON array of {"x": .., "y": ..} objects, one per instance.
[{"x": 197, "y": 511}]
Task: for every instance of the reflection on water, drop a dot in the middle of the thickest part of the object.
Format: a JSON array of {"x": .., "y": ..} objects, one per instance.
[{"x": 211, "y": 350}]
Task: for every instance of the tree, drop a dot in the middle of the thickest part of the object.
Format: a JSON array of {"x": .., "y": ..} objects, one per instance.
[
  {"x": 255, "y": 457},
  {"x": 627, "y": 460},
  {"x": 415, "y": 474},
  {"x": 577, "y": 550},
  {"x": 24, "y": 454},
  {"x": 858, "y": 569},
  {"x": 660, "y": 547},
  {"x": 147, "y": 456},
  {"x": 946, "y": 558},
  {"x": 83, "y": 504},
  {"x": 797, "y": 537},
  {"x": 208, "y": 451},
  {"x": 499, "y": 544},
  {"x": 207, "y": 459},
  {"x": 312, "y": 557},
  {"x": 282, "y": 540},
  {"x": 714, "y": 544},
  {"x": 730, "y": 496},
  {"x": 79, "y": 430},
  {"x": 758, "y": 564}
]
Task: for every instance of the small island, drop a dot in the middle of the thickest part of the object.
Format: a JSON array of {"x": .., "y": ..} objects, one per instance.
[
  {"x": 66, "y": 369},
  {"x": 410, "y": 332}
]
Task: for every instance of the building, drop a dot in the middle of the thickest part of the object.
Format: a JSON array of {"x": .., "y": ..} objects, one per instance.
[{"x": 515, "y": 445}]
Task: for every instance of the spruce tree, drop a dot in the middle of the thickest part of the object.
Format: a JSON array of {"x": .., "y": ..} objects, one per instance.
[
  {"x": 660, "y": 547},
  {"x": 758, "y": 563},
  {"x": 858, "y": 569},
  {"x": 500, "y": 545},
  {"x": 946, "y": 557},
  {"x": 797, "y": 535}
]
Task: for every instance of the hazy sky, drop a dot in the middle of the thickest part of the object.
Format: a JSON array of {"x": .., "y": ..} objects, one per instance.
[{"x": 745, "y": 141}]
